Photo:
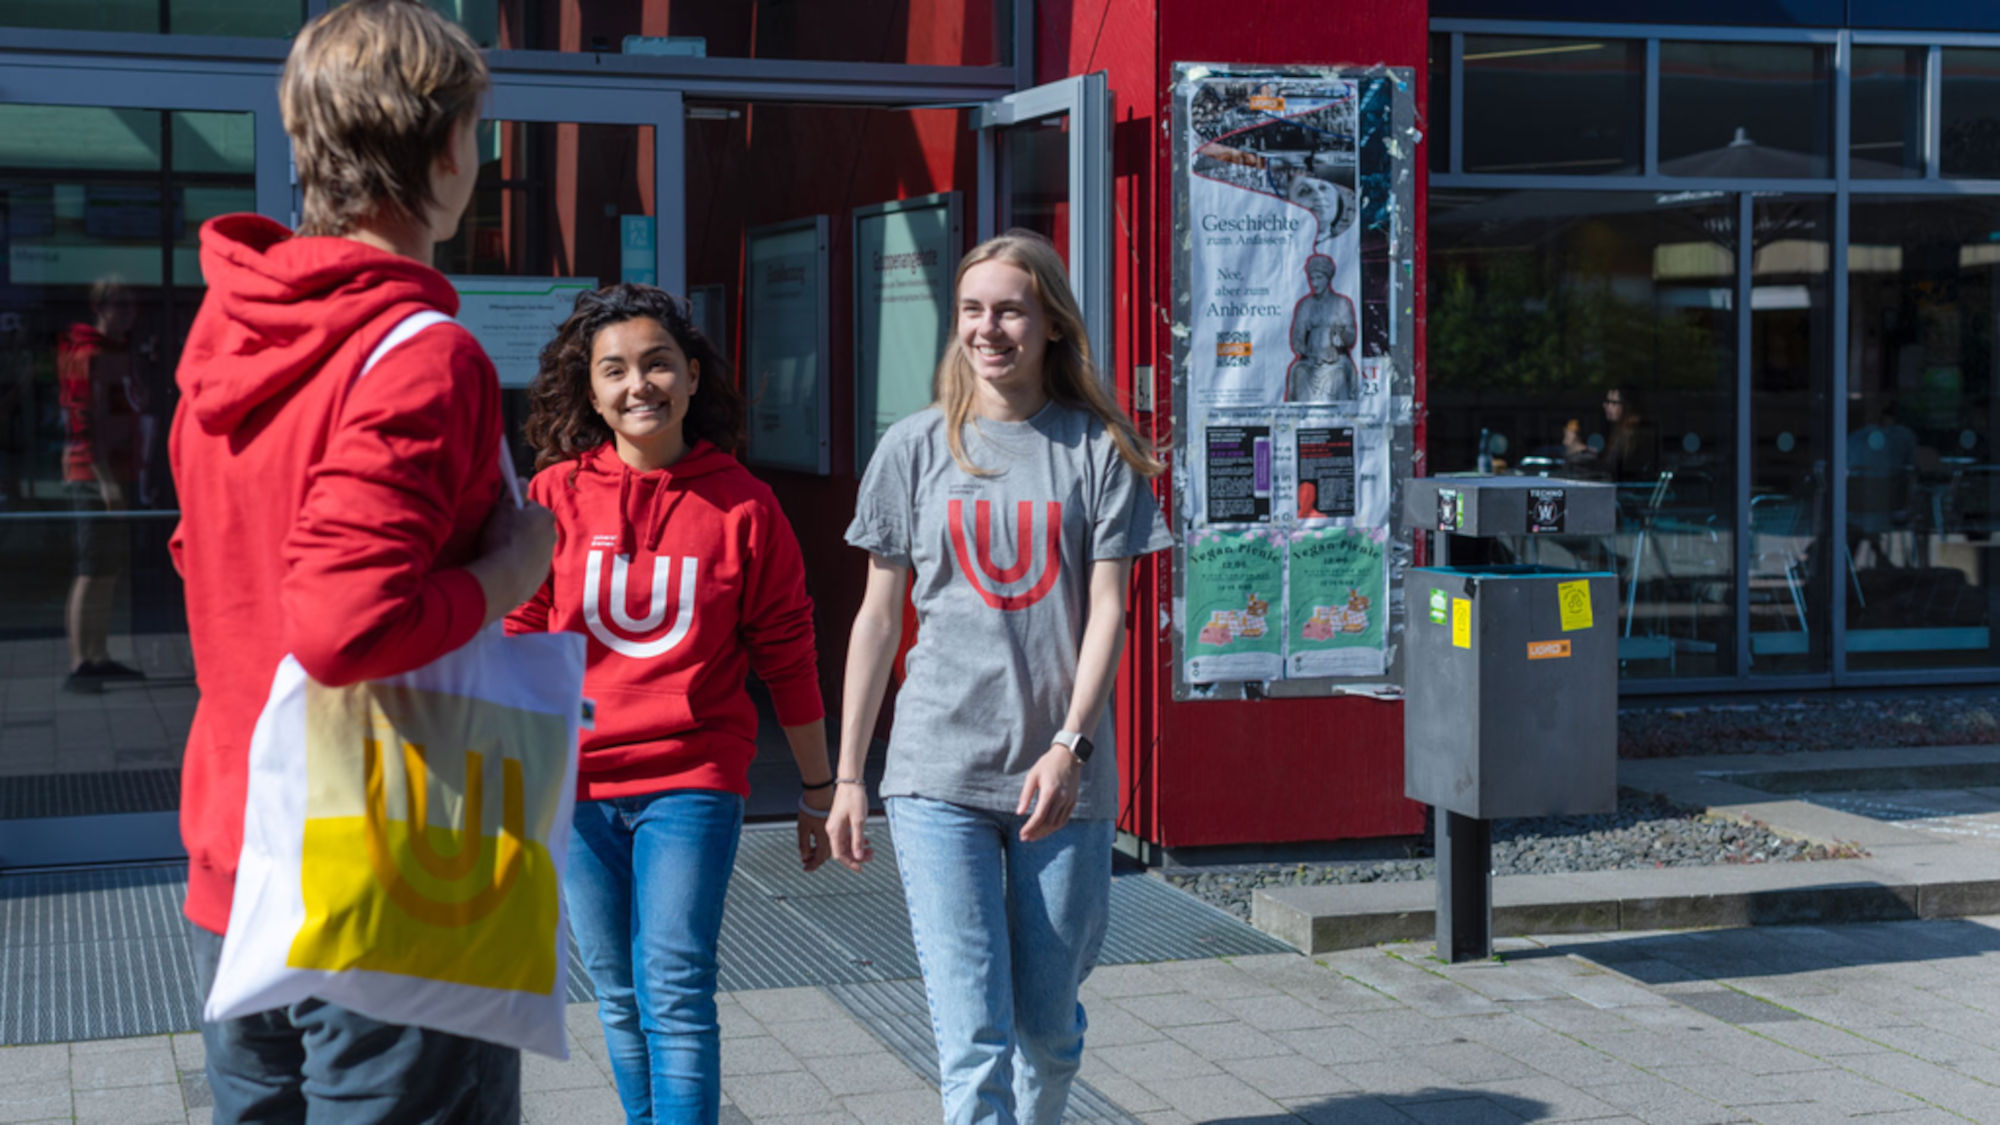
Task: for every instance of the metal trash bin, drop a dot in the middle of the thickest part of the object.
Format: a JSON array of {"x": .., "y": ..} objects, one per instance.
[{"x": 1511, "y": 686}]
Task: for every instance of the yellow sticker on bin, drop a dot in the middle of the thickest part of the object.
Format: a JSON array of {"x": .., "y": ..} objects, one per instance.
[
  {"x": 1574, "y": 598},
  {"x": 1461, "y": 623}
]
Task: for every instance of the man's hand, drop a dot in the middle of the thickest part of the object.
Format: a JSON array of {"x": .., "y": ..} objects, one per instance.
[
  {"x": 1051, "y": 788},
  {"x": 514, "y": 552}
]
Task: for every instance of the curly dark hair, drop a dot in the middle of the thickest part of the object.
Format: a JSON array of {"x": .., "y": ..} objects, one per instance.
[{"x": 562, "y": 424}]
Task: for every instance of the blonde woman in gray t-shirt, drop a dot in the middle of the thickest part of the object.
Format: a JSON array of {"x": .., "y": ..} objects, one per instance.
[{"x": 1017, "y": 502}]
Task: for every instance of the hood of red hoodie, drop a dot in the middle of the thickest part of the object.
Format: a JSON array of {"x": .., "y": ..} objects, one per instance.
[
  {"x": 279, "y": 305},
  {"x": 646, "y": 498}
]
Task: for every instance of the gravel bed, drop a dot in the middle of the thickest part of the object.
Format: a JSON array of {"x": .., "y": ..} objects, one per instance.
[
  {"x": 1646, "y": 831},
  {"x": 1820, "y": 721}
]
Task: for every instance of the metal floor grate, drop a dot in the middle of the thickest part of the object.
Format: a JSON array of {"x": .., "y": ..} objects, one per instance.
[
  {"x": 90, "y": 794},
  {"x": 103, "y": 953}
]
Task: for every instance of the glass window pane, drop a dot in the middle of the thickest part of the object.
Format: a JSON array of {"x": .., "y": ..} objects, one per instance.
[
  {"x": 1513, "y": 84},
  {"x": 1791, "y": 375},
  {"x": 1757, "y": 110},
  {"x": 1923, "y": 487},
  {"x": 98, "y": 285},
  {"x": 1437, "y": 134},
  {"x": 254, "y": 18},
  {"x": 51, "y": 137},
  {"x": 961, "y": 34},
  {"x": 1969, "y": 114},
  {"x": 1886, "y": 126},
  {"x": 553, "y": 200},
  {"x": 1593, "y": 334}
]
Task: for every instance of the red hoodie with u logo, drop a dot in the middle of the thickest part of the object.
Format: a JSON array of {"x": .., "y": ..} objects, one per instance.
[{"x": 683, "y": 579}]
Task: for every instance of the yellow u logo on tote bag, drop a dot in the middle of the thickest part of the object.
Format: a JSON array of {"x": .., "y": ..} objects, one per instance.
[{"x": 410, "y": 864}]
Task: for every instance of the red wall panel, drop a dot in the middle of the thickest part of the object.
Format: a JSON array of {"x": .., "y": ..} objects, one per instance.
[{"x": 1273, "y": 771}]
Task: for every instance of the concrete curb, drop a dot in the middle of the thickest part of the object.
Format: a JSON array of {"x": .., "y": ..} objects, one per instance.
[{"x": 1908, "y": 875}]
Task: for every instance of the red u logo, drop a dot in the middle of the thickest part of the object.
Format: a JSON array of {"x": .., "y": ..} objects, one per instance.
[{"x": 1024, "y": 551}]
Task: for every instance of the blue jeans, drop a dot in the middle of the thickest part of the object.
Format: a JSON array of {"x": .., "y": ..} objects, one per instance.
[
  {"x": 646, "y": 880},
  {"x": 318, "y": 1062},
  {"x": 1005, "y": 933}
]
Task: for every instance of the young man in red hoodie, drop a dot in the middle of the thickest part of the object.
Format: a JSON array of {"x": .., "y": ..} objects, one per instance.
[{"x": 356, "y": 523}]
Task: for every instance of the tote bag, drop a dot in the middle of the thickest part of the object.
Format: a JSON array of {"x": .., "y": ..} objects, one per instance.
[{"x": 403, "y": 837}]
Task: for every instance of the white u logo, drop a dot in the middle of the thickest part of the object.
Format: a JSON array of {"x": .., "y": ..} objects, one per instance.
[{"x": 656, "y": 606}]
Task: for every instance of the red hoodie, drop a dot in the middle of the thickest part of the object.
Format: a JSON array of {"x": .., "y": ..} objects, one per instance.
[
  {"x": 321, "y": 515},
  {"x": 683, "y": 578}
]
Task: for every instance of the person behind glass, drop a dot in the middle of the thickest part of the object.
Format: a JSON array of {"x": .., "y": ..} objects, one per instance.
[
  {"x": 1630, "y": 449},
  {"x": 354, "y": 521},
  {"x": 682, "y": 571},
  {"x": 1018, "y": 501},
  {"x": 102, "y": 400}
]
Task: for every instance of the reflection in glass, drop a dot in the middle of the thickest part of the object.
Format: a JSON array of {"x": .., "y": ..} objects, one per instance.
[
  {"x": 1791, "y": 359},
  {"x": 1923, "y": 492},
  {"x": 1036, "y": 188},
  {"x": 1886, "y": 122},
  {"x": 890, "y": 31},
  {"x": 1593, "y": 334},
  {"x": 269, "y": 19},
  {"x": 100, "y": 210},
  {"x": 1760, "y": 110},
  {"x": 1511, "y": 83},
  {"x": 1969, "y": 114},
  {"x": 1437, "y": 123}
]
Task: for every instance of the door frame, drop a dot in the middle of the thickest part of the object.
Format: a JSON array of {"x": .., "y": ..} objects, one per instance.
[{"x": 1086, "y": 101}]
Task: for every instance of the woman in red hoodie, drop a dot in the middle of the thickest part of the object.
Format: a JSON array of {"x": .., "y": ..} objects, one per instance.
[{"x": 683, "y": 572}]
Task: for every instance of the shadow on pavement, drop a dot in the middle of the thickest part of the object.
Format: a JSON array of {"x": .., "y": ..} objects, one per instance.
[
  {"x": 1440, "y": 1106},
  {"x": 1768, "y": 951}
]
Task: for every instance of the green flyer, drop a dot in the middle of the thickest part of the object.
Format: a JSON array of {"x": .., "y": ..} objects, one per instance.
[
  {"x": 1234, "y": 603},
  {"x": 1338, "y": 603}
]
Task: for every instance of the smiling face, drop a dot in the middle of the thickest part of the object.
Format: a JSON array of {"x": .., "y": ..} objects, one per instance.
[
  {"x": 640, "y": 383},
  {"x": 1003, "y": 328}
]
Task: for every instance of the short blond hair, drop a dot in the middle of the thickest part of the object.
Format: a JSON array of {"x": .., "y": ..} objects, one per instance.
[{"x": 370, "y": 94}]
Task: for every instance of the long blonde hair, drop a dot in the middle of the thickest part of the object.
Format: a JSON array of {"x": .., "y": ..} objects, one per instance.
[{"x": 1067, "y": 373}]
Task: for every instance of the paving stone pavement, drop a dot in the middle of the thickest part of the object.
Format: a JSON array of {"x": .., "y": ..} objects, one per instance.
[{"x": 1891, "y": 1023}]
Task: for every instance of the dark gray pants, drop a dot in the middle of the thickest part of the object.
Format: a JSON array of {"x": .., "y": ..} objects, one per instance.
[{"x": 319, "y": 1063}]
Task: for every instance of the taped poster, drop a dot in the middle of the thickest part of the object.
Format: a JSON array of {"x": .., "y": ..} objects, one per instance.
[
  {"x": 1238, "y": 470},
  {"x": 1273, "y": 198},
  {"x": 1337, "y": 591},
  {"x": 1293, "y": 382},
  {"x": 1233, "y": 606},
  {"x": 1335, "y": 468}
]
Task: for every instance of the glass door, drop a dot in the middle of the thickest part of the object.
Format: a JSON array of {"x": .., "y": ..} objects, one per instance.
[
  {"x": 106, "y": 175},
  {"x": 1045, "y": 164},
  {"x": 578, "y": 188}
]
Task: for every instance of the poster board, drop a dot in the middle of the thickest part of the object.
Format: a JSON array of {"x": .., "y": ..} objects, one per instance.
[
  {"x": 785, "y": 345},
  {"x": 1294, "y": 389},
  {"x": 905, "y": 253},
  {"x": 513, "y": 317}
]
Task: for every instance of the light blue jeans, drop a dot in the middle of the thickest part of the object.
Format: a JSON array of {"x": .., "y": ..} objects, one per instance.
[
  {"x": 645, "y": 885},
  {"x": 1005, "y": 933}
]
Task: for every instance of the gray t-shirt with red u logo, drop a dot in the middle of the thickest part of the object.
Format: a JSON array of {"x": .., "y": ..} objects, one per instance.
[{"x": 1002, "y": 566}]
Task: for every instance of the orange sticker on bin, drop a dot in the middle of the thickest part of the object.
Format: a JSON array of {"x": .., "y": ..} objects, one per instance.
[{"x": 1548, "y": 650}]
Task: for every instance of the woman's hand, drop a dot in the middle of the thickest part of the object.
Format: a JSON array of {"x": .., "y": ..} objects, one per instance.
[
  {"x": 847, "y": 824},
  {"x": 1051, "y": 787},
  {"x": 814, "y": 845}
]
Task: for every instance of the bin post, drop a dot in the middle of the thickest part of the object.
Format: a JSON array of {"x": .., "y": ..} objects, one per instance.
[{"x": 1464, "y": 886}]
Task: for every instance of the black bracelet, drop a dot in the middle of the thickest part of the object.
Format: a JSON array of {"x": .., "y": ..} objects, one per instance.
[{"x": 827, "y": 784}]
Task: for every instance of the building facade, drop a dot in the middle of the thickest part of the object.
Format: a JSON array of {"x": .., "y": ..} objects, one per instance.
[{"x": 1739, "y": 259}]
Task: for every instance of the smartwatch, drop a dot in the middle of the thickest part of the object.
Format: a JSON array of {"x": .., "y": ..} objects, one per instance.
[{"x": 1075, "y": 743}]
